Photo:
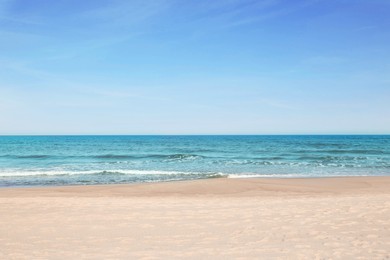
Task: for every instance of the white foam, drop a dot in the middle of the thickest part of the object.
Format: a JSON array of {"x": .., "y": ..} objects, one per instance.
[
  {"x": 17, "y": 173},
  {"x": 21, "y": 173},
  {"x": 246, "y": 176}
]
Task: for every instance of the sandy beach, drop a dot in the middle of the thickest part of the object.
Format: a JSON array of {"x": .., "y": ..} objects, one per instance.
[{"x": 318, "y": 218}]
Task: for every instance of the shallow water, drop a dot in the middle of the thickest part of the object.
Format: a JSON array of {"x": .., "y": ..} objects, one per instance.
[{"x": 64, "y": 160}]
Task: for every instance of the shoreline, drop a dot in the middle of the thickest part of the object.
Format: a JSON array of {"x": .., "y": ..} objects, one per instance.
[{"x": 298, "y": 185}]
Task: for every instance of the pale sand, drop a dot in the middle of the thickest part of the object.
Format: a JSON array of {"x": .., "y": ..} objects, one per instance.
[{"x": 327, "y": 218}]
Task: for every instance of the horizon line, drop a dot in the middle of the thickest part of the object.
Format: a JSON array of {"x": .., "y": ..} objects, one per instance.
[{"x": 285, "y": 134}]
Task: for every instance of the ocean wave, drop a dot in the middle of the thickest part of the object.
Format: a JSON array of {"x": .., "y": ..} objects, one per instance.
[
  {"x": 343, "y": 151},
  {"x": 32, "y": 156},
  {"x": 327, "y": 158},
  {"x": 104, "y": 172},
  {"x": 313, "y": 162},
  {"x": 178, "y": 156},
  {"x": 184, "y": 156},
  {"x": 115, "y": 156}
]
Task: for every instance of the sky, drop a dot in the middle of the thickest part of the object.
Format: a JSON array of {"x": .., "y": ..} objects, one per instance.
[{"x": 195, "y": 67}]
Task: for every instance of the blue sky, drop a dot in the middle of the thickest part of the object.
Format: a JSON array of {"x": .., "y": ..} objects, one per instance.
[{"x": 194, "y": 67}]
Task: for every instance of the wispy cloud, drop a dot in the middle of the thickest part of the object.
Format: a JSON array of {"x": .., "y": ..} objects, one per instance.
[
  {"x": 224, "y": 14},
  {"x": 23, "y": 68},
  {"x": 84, "y": 30},
  {"x": 18, "y": 20},
  {"x": 10, "y": 18},
  {"x": 121, "y": 92},
  {"x": 229, "y": 14},
  {"x": 87, "y": 46},
  {"x": 324, "y": 60},
  {"x": 246, "y": 12},
  {"x": 125, "y": 13},
  {"x": 364, "y": 28},
  {"x": 276, "y": 104},
  {"x": 105, "y": 24},
  {"x": 114, "y": 93}
]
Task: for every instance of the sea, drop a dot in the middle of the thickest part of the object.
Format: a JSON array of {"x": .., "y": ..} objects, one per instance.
[{"x": 86, "y": 160}]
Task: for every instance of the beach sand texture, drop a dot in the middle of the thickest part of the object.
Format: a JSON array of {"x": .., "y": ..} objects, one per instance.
[{"x": 318, "y": 218}]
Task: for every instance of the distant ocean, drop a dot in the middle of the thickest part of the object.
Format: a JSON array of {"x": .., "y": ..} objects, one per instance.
[{"x": 69, "y": 160}]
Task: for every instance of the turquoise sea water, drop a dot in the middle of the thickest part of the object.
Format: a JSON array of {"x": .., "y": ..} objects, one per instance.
[{"x": 64, "y": 160}]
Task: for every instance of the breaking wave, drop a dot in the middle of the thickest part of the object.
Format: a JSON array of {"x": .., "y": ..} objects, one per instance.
[{"x": 107, "y": 172}]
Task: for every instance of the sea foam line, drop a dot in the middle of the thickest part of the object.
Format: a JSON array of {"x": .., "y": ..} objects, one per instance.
[
  {"x": 16, "y": 173},
  {"x": 100, "y": 172}
]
